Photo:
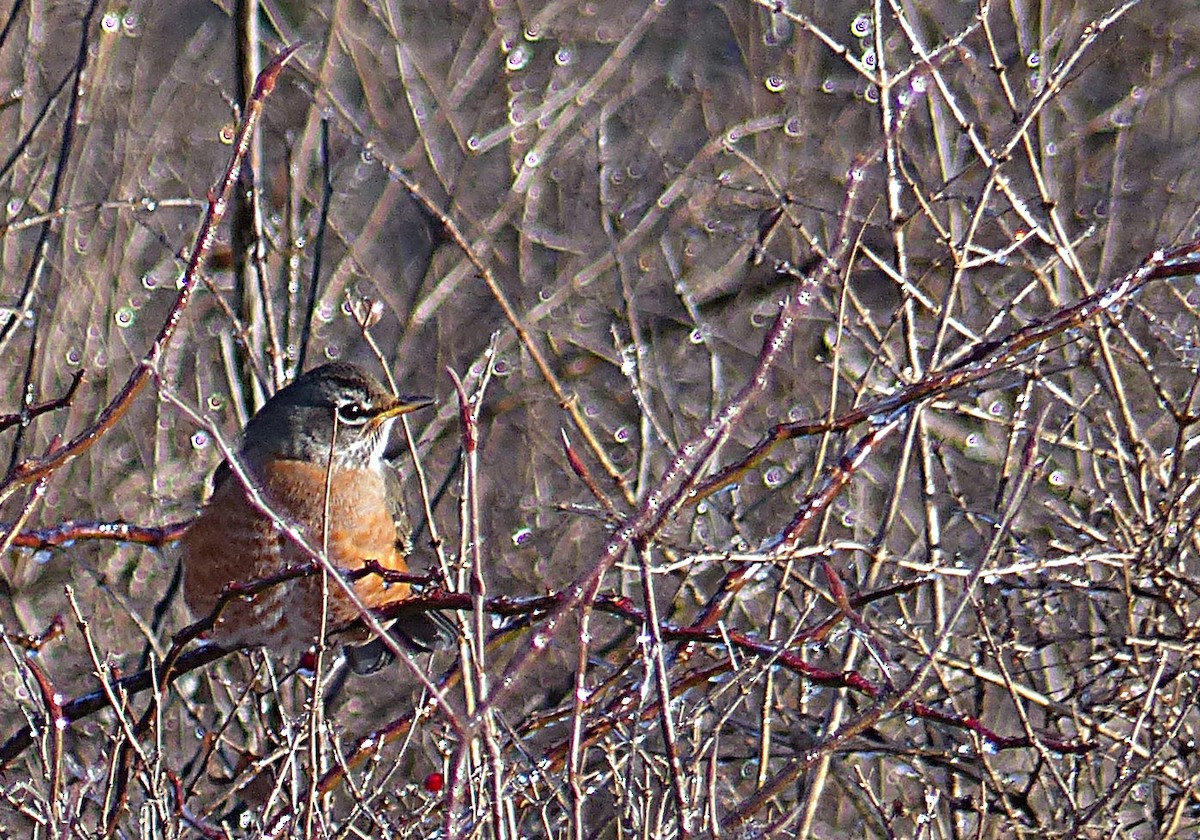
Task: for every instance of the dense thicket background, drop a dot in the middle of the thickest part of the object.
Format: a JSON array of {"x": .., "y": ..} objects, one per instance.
[{"x": 644, "y": 183}]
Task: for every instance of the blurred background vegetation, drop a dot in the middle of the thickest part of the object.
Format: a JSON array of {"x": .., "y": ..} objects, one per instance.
[{"x": 644, "y": 184}]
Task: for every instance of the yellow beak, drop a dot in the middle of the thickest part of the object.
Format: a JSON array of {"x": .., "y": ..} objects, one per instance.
[{"x": 403, "y": 405}]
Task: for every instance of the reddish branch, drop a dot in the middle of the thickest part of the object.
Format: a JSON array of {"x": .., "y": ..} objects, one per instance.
[
  {"x": 32, "y": 411},
  {"x": 73, "y": 530},
  {"x": 37, "y": 469},
  {"x": 34, "y": 643},
  {"x": 584, "y": 474},
  {"x": 34, "y": 468},
  {"x": 88, "y": 704},
  {"x": 884, "y": 416},
  {"x": 1182, "y": 261},
  {"x": 987, "y": 359},
  {"x": 676, "y": 485},
  {"x": 178, "y": 663},
  {"x": 52, "y": 703},
  {"x": 626, "y": 707}
]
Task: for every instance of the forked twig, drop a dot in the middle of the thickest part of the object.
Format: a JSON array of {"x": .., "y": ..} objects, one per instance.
[{"x": 31, "y": 469}]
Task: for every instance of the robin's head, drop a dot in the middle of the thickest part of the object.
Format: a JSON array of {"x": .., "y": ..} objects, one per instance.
[{"x": 338, "y": 404}]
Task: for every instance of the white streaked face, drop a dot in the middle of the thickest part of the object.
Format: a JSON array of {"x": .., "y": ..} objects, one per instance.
[{"x": 362, "y": 433}]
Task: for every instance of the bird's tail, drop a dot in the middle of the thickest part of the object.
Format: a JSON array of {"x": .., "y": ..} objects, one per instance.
[{"x": 424, "y": 632}]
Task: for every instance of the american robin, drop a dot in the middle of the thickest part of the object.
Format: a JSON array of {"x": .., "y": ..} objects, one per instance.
[{"x": 314, "y": 454}]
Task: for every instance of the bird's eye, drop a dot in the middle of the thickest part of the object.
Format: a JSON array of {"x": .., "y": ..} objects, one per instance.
[{"x": 353, "y": 413}]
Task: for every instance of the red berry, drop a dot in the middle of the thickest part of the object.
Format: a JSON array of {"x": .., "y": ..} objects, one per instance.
[
  {"x": 434, "y": 782},
  {"x": 308, "y": 662}
]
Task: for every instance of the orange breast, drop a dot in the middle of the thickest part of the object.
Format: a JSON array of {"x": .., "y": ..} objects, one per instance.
[{"x": 232, "y": 541}]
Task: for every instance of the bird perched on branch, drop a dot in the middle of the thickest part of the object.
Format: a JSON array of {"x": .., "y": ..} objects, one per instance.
[{"x": 313, "y": 460}]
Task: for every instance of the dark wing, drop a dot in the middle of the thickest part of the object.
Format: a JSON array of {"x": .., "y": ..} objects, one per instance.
[
  {"x": 219, "y": 476},
  {"x": 424, "y": 632}
]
